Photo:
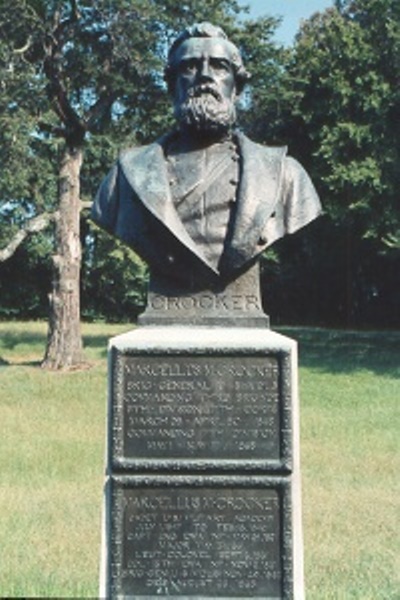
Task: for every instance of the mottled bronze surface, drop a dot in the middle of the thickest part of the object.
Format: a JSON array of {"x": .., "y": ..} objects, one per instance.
[
  {"x": 203, "y": 202},
  {"x": 205, "y": 409},
  {"x": 202, "y": 537}
]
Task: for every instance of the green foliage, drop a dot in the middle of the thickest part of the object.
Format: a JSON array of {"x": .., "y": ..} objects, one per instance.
[
  {"x": 346, "y": 65},
  {"x": 117, "y": 285},
  {"x": 339, "y": 116},
  {"x": 25, "y": 280},
  {"x": 264, "y": 106},
  {"x": 322, "y": 275}
]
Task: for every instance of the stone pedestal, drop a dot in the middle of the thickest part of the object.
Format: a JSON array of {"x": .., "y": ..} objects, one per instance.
[{"x": 203, "y": 483}]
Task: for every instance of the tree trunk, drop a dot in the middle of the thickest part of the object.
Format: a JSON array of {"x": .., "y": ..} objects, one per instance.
[{"x": 64, "y": 342}]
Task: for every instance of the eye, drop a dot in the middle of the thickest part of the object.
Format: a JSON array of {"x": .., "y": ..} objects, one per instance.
[
  {"x": 220, "y": 64},
  {"x": 188, "y": 66}
]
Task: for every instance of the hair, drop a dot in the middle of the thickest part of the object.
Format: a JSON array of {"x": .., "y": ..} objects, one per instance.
[{"x": 205, "y": 30}]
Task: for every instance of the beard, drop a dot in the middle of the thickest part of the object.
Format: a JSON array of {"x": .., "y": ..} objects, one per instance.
[{"x": 205, "y": 110}]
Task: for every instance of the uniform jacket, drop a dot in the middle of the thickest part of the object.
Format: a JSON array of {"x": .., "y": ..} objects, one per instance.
[{"x": 275, "y": 197}]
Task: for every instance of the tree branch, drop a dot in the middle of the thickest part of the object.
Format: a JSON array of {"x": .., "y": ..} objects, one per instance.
[
  {"x": 32, "y": 226},
  {"x": 24, "y": 48},
  {"x": 59, "y": 95},
  {"x": 56, "y": 89},
  {"x": 75, "y": 10},
  {"x": 103, "y": 103},
  {"x": 53, "y": 129}
]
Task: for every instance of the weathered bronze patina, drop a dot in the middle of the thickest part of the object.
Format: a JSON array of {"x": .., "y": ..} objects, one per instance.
[
  {"x": 203, "y": 202},
  {"x": 211, "y": 409},
  {"x": 204, "y": 538}
]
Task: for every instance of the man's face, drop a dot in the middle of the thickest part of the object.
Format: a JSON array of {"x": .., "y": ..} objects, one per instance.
[
  {"x": 205, "y": 87},
  {"x": 204, "y": 60}
]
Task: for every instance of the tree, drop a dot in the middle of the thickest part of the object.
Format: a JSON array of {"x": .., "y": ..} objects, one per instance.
[
  {"x": 347, "y": 72},
  {"x": 261, "y": 108},
  {"x": 71, "y": 71},
  {"x": 341, "y": 111}
]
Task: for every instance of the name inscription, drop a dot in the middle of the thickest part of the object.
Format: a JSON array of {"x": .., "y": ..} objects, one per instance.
[
  {"x": 200, "y": 406},
  {"x": 213, "y": 542},
  {"x": 206, "y": 302}
]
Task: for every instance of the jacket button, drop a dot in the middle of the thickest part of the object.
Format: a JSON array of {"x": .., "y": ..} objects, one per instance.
[
  {"x": 262, "y": 240},
  {"x": 170, "y": 258}
]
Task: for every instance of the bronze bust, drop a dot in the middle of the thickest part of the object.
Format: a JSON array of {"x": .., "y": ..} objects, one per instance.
[{"x": 200, "y": 204}]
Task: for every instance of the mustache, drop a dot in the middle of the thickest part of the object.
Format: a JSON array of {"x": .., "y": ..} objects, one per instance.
[
  {"x": 204, "y": 89},
  {"x": 206, "y": 113}
]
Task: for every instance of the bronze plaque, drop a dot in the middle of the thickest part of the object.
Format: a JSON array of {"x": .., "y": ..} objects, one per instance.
[
  {"x": 197, "y": 407},
  {"x": 209, "y": 541}
]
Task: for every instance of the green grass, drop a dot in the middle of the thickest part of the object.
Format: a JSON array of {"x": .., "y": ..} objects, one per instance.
[
  {"x": 350, "y": 392},
  {"x": 51, "y": 465},
  {"x": 52, "y": 447}
]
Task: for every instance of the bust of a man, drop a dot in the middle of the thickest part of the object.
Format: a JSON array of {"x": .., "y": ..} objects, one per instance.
[{"x": 203, "y": 202}]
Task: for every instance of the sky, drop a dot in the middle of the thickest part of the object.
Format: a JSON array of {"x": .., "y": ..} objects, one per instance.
[{"x": 292, "y": 11}]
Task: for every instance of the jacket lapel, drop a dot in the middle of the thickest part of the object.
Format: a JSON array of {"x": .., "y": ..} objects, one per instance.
[
  {"x": 259, "y": 191},
  {"x": 145, "y": 168}
]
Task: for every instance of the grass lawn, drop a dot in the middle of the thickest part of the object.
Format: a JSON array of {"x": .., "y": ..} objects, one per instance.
[{"x": 51, "y": 464}]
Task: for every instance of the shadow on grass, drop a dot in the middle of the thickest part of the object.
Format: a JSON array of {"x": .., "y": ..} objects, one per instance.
[
  {"x": 99, "y": 342},
  {"x": 328, "y": 350},
  {"x": 337, "y": 351},
  {"x": 10, "y": 339},
  {"x": 95, "y": 341}
]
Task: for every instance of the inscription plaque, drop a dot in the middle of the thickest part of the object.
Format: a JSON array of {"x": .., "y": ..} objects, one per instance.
[
  {"x": 203, "y": 540},
  {"x": 202, "y": 466},
  {"x": 202, "y": 407}
]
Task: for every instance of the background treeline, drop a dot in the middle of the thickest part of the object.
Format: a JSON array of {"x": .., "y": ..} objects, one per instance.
[{"x": 333, "y": 98}]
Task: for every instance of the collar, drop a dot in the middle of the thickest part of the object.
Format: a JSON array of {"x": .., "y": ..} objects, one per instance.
[{"x": 145, "y": 168}]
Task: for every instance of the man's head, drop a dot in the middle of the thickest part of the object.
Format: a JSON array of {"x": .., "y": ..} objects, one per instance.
[{"x": 205, "y": 73}]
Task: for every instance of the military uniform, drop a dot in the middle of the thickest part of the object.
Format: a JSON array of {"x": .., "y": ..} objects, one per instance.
[{"x": 204, "y": 215}]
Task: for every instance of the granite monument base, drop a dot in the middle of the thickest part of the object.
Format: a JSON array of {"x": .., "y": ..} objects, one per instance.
[{"x": 203, "y": 483}]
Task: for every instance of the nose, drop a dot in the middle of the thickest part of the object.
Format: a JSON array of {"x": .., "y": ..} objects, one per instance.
[{"x": 205, "y": 72}]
